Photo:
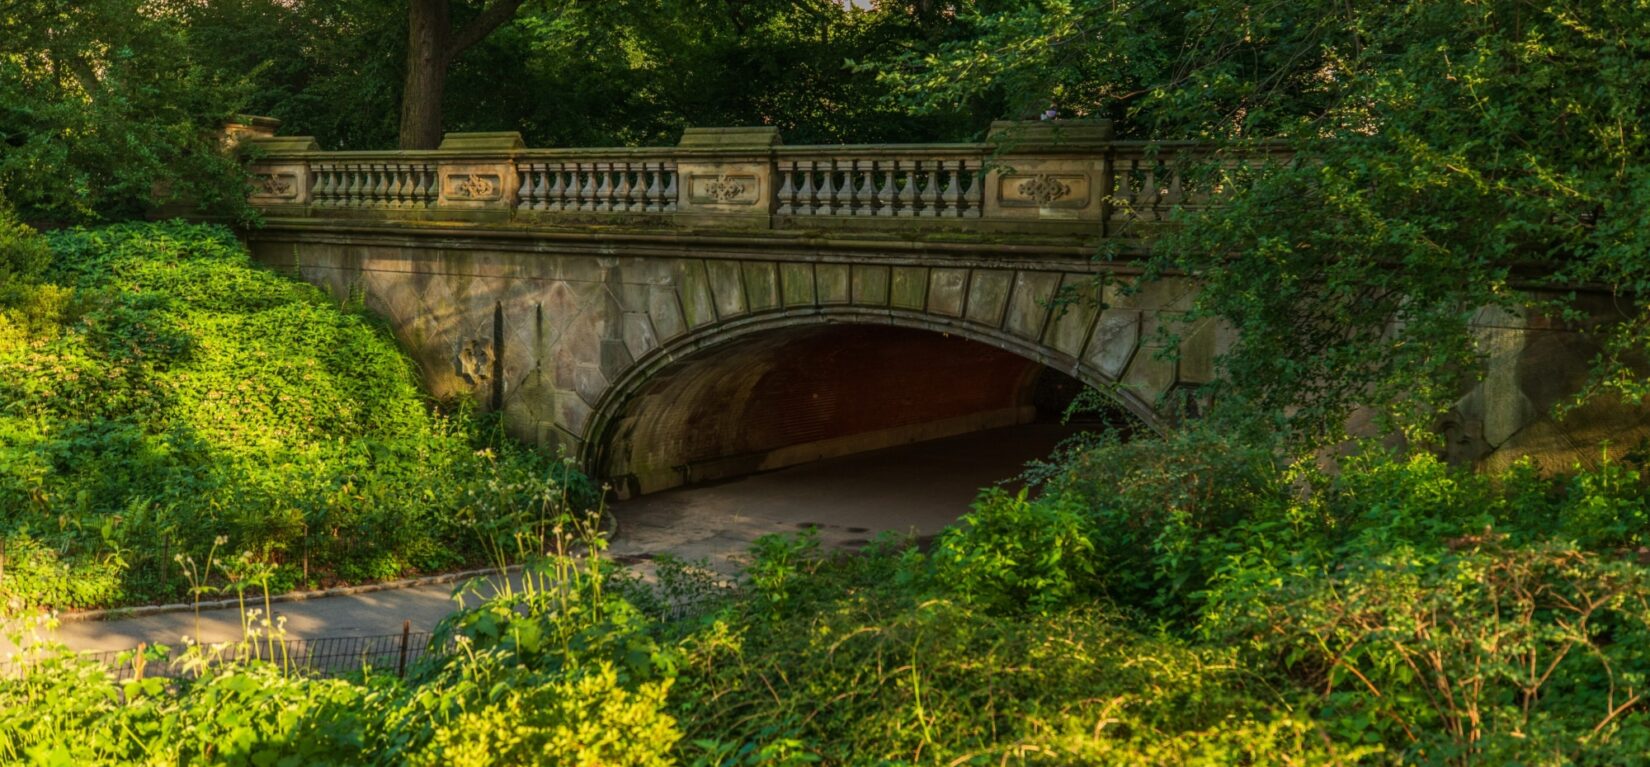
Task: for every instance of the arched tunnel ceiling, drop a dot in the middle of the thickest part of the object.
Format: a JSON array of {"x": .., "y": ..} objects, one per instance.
[{"x": 792, "y": 395}]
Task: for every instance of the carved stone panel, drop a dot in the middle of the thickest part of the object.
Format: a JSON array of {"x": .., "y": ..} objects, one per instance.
[
  {"x": 275, "y": 187},
  {"x": 723, "y": 189},
  {"x": 474, "y": 187},
  {"x": 1044, "y": 190}
]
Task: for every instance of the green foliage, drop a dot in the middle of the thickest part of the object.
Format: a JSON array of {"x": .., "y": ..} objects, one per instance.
[
  {"x": 161, "y": 392},
  {"x": 23, "y": 252},
  {"x": 1014, "y": 554},
  {"x": 1446, "y": 157},
  {"x": 103, "y": 113},
  {"x": 1393, "y": 611},
  {"x": 1156, "y": 509}
]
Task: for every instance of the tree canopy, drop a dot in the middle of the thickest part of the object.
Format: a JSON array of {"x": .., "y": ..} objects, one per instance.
[{"x": 1448, "y": 155}]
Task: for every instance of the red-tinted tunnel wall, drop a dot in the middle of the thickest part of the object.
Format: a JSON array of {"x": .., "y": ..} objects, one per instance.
[{"x": 790, "y": 396}]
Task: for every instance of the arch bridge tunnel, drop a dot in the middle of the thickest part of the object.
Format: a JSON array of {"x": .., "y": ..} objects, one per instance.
[
  {"x": 731, "y": 304},
  {"x": 801, "y": 394}
]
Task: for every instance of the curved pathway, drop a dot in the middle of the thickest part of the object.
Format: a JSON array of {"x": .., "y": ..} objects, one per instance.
[{"x": 916, "y": 488}]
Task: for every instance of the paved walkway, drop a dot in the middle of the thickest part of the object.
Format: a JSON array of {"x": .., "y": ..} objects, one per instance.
[{"x": 909, "y": 489}]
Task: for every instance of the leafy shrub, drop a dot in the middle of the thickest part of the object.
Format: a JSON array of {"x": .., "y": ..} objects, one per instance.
[
  {"x": 588, "y": 719},
  {"x": 23, "y": 252},
  {"x": 1013, "y": 554},
  {"x": 1479, "y": 653},
  {"x": 161, "y": 391},
  {"x": 1159, "y": 509}
]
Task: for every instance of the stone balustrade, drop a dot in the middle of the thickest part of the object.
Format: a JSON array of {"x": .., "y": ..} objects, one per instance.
[{"x": 1059, "y": 178}]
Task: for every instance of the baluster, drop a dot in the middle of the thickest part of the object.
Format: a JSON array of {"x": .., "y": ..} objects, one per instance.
[
  {"x": 644, "y": 186},
  {"x": 541, "y": 186},
  {"x": 407, "y": 174},
  {"x": 787, "y": 190},
  {"x": 806, "y": 195},
  {"x": 420, "y": 186},
  {"x": 604, "y": 186},
  {"x": 952, "y": 198},
  {"x": 648, "y": 180},
  {"x": 856, "y": 192},
  {"x": 845, "y": 191},
  {"x": 826, "y": 192},
  {"x": 865, "y": 196},
  {"x": 399, "y": 197},
  {"x": 625, "y": 195},
  {"x": 846, "y": 194},
  {"x": 381, "y": 186},
  {"x": 1177, "y": 193},
  {"x": 671, "y": 192},
  {"x": 352, "y": 186},
  {"x": 319, "y": 194},
  {"x": 974, "y": 197},
  {"x": 1149, "y": 191},
  {"x": 555, "y": 197},
  {"x": 885, "y": 191},
  {"x": 930, "y": 191},
  {"x": 908, "y": 191},
  {"x": 524, "y": 193},
  {"x": 368, "y": 178},
  {"x": 363, "y": 185},
  {"x": 335, "y": 185},
  {"x": 587, "y": 187},
  {"x": 577, "y": 179}
]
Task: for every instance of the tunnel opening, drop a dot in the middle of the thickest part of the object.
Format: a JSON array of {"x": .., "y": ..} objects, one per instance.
[{"x": 791, "y": 396}]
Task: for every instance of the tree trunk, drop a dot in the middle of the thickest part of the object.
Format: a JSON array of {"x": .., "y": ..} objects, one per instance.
[{"x": 427, "y": 52}]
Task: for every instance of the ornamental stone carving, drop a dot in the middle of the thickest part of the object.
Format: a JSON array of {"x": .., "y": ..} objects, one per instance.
[
  {"x": 1044, "y": 189},
  {"x": 474, "y": 363},
  {"x": 474, "y": 187},
  {"x": 724, "y": 189},
  {"x": 277, "y": 185}
]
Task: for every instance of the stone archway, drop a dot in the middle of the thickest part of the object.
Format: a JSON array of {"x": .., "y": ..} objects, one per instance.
[{"x": 745, "y": 395}]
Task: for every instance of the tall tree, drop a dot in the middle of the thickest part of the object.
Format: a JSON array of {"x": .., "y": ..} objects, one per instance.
[{"x": 432, "y": 46}]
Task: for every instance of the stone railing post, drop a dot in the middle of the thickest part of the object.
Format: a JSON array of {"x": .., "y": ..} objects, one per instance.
[
  {"x": 476, "y": 175},
  {"x": 1050, "y": 170},
  {"x": 279, "y": 170},
  {"x": 727, "y": 176}
]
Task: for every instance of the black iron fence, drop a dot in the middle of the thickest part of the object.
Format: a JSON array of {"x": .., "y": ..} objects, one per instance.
[{"x": 325, "y": 656}]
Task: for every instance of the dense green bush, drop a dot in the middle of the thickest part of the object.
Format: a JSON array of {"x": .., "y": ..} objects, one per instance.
[
  {"x": 1012, "y": 554},
  {"x": 158, "y": 391}
]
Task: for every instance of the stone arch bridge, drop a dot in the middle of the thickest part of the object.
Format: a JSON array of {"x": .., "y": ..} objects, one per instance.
[{"x": 731, "y": 304}]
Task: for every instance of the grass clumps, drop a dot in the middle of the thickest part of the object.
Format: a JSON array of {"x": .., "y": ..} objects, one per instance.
[{"x": 158, "y": 391}]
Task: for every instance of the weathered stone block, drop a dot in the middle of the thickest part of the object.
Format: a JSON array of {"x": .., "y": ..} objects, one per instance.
[
  {"x": 947, "y": 290},
  {"x": 1116, "y": 336},
  {"x": 1149, "y": 377},
  {"x": 988, "y": 291},
  {"x": 832, "y": 283},
  {"x": 1069, "y": 329},
  {"x": 1029, "y": 304},
  {"x": 664, "y": 309},
  {"x": 871, "y": 285},
  {"x": 798, "y": 283},
  {"x": 1197, "y": 353},
  {"x": 727, "y": 284},
  {"x": 909, "y": 287},
  {"x": 693, "y": 284},
  {"x": 638, "y": 334},
  {"x": 762, "y": 285}
]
